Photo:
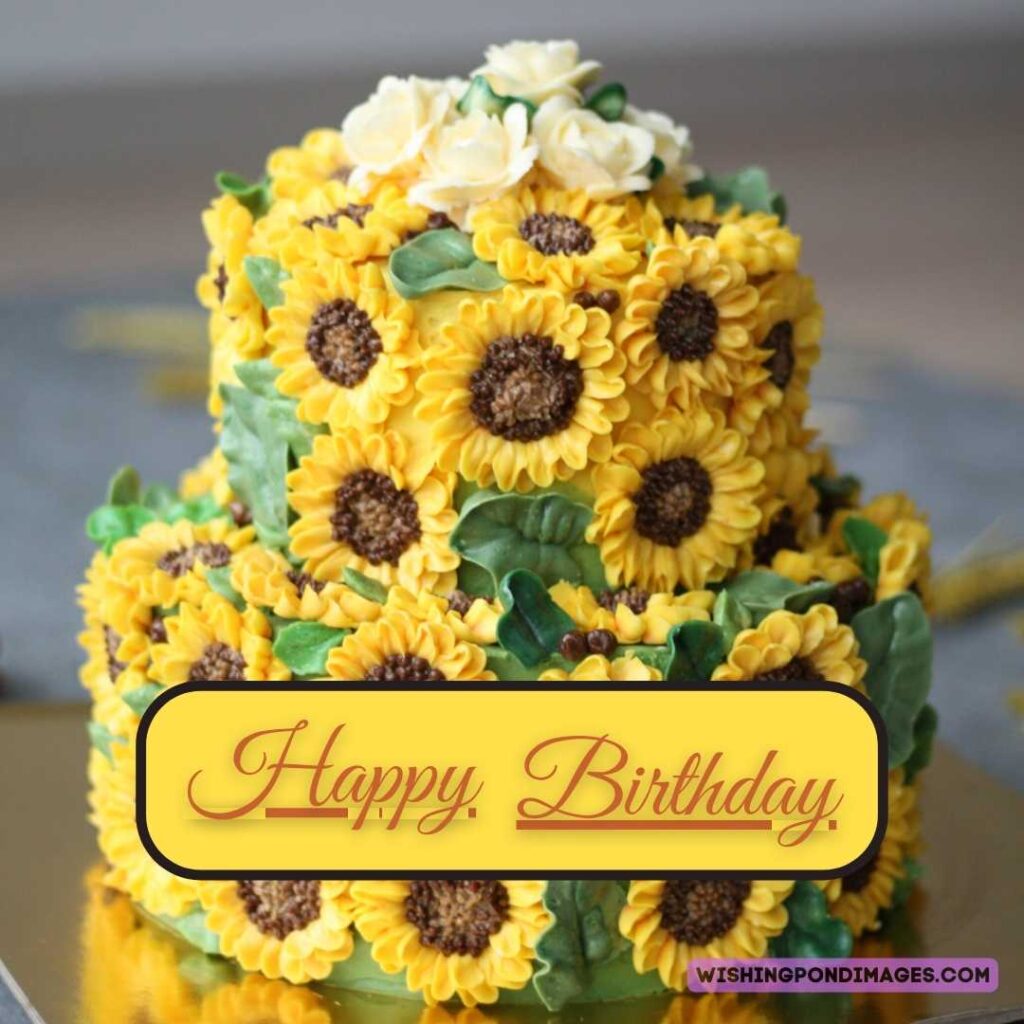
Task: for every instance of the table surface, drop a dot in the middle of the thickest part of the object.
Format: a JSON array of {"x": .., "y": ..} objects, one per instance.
[{"x": 80, "y": 956}]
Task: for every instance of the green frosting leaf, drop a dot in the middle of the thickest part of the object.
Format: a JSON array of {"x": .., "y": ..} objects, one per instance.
[
  {"x": 142, "y": 696},
  {"x": 842, "y": 491},
  {"x": 542, "y": 532},
  {"x": 195, "y": 510},
  {"x": 365, "y": 586},
  {"x": 584, "y": 933},
  {"x": 480, "y": 96},
  {"x": 261, "y": 440},
  {"x": 124, "y": 487},
  {"x": 865, "y": 541},
  {"x": 192, "y": 928},
  {"x": 749, "y": 187},
  {"x": 655, "y": 169},
  {"x": 762, "y": 592},
  {"x": 108, "y": 524},
  {"x": 609, "y": 101},
  {"x": 731, "y": 617},
  {"x": 811, "y": 932},
  {"x": 159, "y": 498},
  {"x": 532, "y": 624},
  {"x": 103, "y": 739},
  {"x": 304, "y": 646},
  {"x": 253, "y": 195},
  {"x": 896, "y": 641},
  {"x": 266, "y": 275},
  {"x": 476, "y": 580},
  {"x": 903, "y": 887},
  {"x": 440, "y": 259},
  {"x": 506, "y": 666},
  {"x": 219, "y": 580},
  {"x": 925, "y": 726},
  {"x": 695, "y": 650}
]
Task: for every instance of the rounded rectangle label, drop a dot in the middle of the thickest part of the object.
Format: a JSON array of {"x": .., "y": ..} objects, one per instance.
[{"x": 522, "y": 780}]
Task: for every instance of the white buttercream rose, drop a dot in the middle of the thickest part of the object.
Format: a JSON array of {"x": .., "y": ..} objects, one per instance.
[
  {"x": 387, "y": 133},
  {"x": 672, "y": 144},
  {"x": 537, "y": 71},
  {"x": 582, "y": 150},
  {"x": 473, "y": 159}
]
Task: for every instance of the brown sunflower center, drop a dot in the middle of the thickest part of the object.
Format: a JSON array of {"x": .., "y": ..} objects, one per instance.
[
  {"x": 404, "y": 668},
  {"x": 436, "y": 221},
  {"x": 555, "y": 234},
  {"x": 177, "y": 563},
  {"x": 218, "y": 663},
  {"x": 525, "y": 388},
  {"x": 850, "y": 597},
  {"x": 696, "y": 911},
  {"x": 782, "y": 361},
  {"x": 353, "y": 211},
  {"x": 111, "y": 641},
  {"x": 693, "y": 228},
  {"x": 457, "y": 917},
  {"x": 687, "y": 324},
  {"x": 634, "y": 598},
  {"x": 459, "y": 602},
  {"x": 280, "y": 908},
  {"x": 220, "y": 282},
  {"x": 374, "y": 517},
  {"x": 857, "y": 880},
  {"x": 780, "y": 536},
  {"x": 157, "y": 628},
  {"x": 342, "y": 343},
  {"x": 799, "y": 670},
  {"x": 674, "y": 500},
  {"x": 301, "y": 580}
]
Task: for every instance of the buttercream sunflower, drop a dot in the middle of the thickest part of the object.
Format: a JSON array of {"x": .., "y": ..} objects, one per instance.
[
  {"x": 596, "y": 668},
  {"x": 365, "y": 502},
  {"x": 631, "y": 613},
  {"x": 522, "y": 391},
  {"x": 757, "y": 240},
  {"x": 687, "y": 324},
  {"x": 676, "y": 502},
  {"x": 345, "y": 344},
  {"x": 214, "y": 641},
  {"x": 295, "y": 930},
  {"x": 904, "y": 562},
  {"x": 166, "y": 563},
  {"x": 462, "y": 938},
  {"x": 560, "y": 239},
  {"x": 472, "y": 618},
  {"x": 266, "y": 579},
  {"x": 790, "y": 647},
  {"x": 673, "y": 922},
  {"x": 112, "y": 811},
  {"x": 405, "y": 647},
  {"x": 320, "y": 157},
  {"x": 209, "y": 476},
  {"x": 228, "y": 226},
  {"x": 884, "y": 510},
  {"x": 870, "y": 890}
]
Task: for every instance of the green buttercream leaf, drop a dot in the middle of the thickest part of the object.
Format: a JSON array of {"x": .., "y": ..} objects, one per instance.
[
  {"x": 195, "y": 510},
  {"x": 695, "y": 650},
  {"x": 532, "y": 624},
  {"x": 480, "y": 96},
  {"x": 609, "y": 101},
  {"x": 762, "y": 592},
  {"x": 262, "y": 439},
  {"x": 731, "y": 617},
  {"x": 103, "y": 739},
  {"x": 159, "y": 498},
  {"x": 584, "y": 933},
  {"x": 655, "y": 169},
  {"x": 440, "y": 259},
  {"x": 903, "y": 887},
  {"x": 507, "y": 667},
  {"x": 842, "y": 491},
  {"x": 142, "y": 696},
  {"x": 811, "y": 932},
  {"x": 255, "y": 196},
  {"x": 925, "y": 726},
  {"x": 266, "y": 275},
  {"x": 476, "y": 580},
  {"x": 219, "y": 580},
  {"x": 192, "y": 928},
  {"x": 749, "y": 187},
  {"x": 304, "y": 646},
  {"x": 895, "y": 639},
  {"x": 124, "y": 487},
  {"x": 108, "y": 524},
  {"x": 544, "y": 533},
  {"x": 365, "y": 586},
  {"x": 865, "y": 541}
]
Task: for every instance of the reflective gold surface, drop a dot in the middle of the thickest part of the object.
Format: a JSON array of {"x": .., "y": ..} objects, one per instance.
[{"x": 82, "y": 955}]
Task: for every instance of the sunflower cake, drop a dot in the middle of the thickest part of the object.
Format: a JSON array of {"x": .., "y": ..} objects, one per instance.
[{"x": 495, "y": 353}]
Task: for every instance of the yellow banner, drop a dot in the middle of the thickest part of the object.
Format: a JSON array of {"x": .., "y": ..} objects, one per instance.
[{"x": 523, "y": 780}]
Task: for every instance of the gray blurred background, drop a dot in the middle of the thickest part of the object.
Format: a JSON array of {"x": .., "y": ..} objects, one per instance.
[{"x": 894, "y": 129}]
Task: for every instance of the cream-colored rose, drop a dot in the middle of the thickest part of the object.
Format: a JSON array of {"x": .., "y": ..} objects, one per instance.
[
  {"x": 582, "y": 150},
  {"x": 473, "y": 159},
  {"x": 387, "y": 133},
  {"x": 537, "y": 71},
  {"x": 672, "y": 144}
]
